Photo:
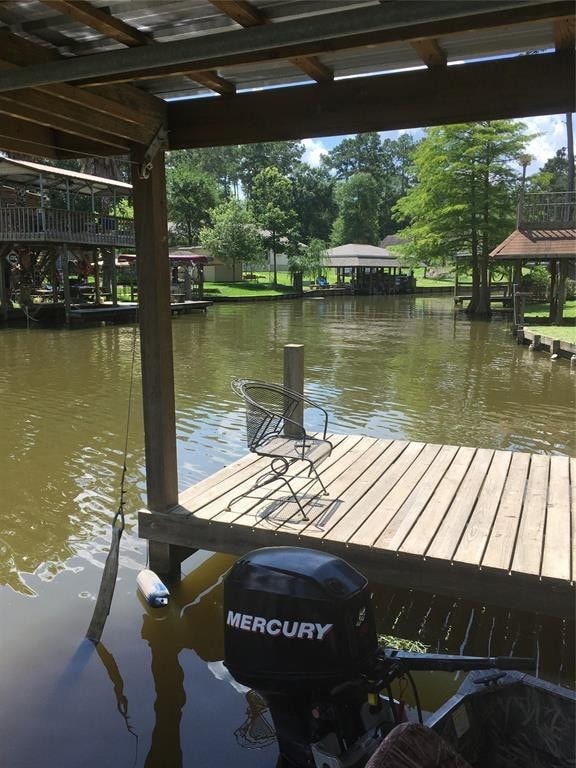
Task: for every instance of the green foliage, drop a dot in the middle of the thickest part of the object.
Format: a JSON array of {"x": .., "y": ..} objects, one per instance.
[
  {"x": 222, "y": 164},
  {"x": 314, "y": 201},
  {"x": 233, "y": 236},
  {"x": 537, "y": 281},
  {"x": 285, "y": 156},
  {"x": 308, "y": 259},
  {"x": 272, "y": 205},
  {"x": 553, "y": 176},
  {"x": 464, "y": 202},
  {"x": 357, "y": 220},
  {"x": 388, "y": 161},
  {"x": 192, "y": 194}
]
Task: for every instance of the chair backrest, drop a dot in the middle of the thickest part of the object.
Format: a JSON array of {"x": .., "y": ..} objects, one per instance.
[{"x": 267, "y": 405}]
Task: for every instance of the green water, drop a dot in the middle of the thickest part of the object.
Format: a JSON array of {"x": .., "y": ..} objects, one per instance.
[{"x": 156, "y": 694}]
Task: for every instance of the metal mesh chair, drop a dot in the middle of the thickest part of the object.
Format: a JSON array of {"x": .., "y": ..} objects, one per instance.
[{"x": 274, "y": 426}]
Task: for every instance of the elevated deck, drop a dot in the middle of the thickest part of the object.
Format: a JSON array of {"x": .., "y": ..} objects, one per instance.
[{"x": 490, "y": 525}]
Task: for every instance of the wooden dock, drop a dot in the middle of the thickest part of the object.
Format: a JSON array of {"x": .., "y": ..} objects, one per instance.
[
  {"x": 128, "y": 312},
  {"x": 489, "y": 525}
]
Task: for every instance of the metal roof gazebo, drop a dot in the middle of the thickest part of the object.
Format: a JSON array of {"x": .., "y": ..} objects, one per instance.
[
  {"x": 107, "y": 78},
  {"x": 373, "y": 269}
]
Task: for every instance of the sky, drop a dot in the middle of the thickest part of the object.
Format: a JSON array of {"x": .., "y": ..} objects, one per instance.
[{"x": 550, "y": 130}]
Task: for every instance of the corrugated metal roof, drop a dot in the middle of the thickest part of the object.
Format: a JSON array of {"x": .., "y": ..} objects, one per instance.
[
  {"x": 25, "y": 172},
  {"x": 79, "y": 76},
  {"x": 359, "y": 255},
  {"x": 173, "y": 20}
]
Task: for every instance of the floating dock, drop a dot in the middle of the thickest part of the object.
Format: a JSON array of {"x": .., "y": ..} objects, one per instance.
[{"x": 488, "y": 525}]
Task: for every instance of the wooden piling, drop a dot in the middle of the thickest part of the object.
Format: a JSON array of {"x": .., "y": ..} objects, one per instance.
[{"x": 294, "y": 380}]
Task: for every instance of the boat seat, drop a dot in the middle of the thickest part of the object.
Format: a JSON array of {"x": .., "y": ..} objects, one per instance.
[{"x": 411, "y": 745}]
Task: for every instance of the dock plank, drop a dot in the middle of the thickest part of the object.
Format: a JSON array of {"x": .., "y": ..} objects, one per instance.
[
  {"x": 557, "y": 545},
  {"x": 492, "y": 526},
  {"x": 363, "y": 507},
  {"x": 473, "y": 544},
  {"x": 500, "y": 548},
  {"x": 370, "y": 468},
  {"x": 530, "y": 545},
  {"x": 451, "y": 530},
  {"x": 419, "y": 538},
  {"x": 385, "y": 511},
  {"x": 414, "y": 506}
]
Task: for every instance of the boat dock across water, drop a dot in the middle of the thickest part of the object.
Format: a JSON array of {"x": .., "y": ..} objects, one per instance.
[{"x": 488, "y": 525}]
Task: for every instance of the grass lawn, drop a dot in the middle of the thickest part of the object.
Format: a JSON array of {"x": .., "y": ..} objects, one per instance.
[
  {"x": 245, "y": 289},
  {"x": 562, "y": 332}
]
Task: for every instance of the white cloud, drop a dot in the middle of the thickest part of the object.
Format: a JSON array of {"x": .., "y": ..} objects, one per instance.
[
  {"x": 552, "y": 137},
  {"x": 313, "y": 151}
]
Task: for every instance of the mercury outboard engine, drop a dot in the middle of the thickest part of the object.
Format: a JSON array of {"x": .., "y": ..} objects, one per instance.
[{"x": 300, "y": 630}]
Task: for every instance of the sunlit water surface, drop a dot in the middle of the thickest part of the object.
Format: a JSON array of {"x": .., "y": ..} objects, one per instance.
[{"x": 155, "y": 693}]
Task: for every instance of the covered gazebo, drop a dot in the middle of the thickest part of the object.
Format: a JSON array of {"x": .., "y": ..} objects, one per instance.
[
  {"x": 102, "y": 79},
  {"x": 372, "y": 269},
  {"x": 546, "y": 234}
]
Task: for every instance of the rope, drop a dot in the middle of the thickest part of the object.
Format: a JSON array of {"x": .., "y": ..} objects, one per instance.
[{"x": 108, "y": 583}]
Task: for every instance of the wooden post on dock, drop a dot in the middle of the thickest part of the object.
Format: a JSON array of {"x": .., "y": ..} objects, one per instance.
[
  {"x": 151, "y": 231},
  {"x": 294, "y": 379}
]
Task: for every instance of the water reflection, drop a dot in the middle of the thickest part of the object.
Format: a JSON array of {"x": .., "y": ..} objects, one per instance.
[{"x": 385, "y": 367}]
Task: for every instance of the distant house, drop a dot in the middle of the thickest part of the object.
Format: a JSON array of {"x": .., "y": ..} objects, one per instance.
[
  {"x": 216, "y": 270},
  {"x": 373, "y": 269}
]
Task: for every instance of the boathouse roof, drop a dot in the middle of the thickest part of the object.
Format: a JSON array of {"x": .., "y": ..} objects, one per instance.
[
  {"x": 29, "y": 173},
  {"x": 537, "y": 245},
  {"x": 359, "y": 255}
]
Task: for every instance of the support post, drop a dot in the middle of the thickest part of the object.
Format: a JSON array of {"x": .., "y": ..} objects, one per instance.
[
  {"x": 114, "y": 279},
  {"x": 65, "y": 281},
  {"x": 294, "y": 380},
  {"x": 3, "y": 280},
  {"x": 155, "y": 320}
]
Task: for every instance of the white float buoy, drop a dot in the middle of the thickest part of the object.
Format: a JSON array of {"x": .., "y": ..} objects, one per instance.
[{"x": 152, "y": 589}]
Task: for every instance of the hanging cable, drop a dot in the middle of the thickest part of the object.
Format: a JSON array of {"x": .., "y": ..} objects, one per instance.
[{"x": 108, "y": 583}]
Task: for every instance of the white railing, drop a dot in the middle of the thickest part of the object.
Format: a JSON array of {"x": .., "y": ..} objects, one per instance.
[{"x": 61, "y": 226}]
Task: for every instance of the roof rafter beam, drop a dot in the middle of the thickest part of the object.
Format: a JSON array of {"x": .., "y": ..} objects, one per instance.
[
  {"x": 116, "y": 29},
  {"x": 18, "y": 135},
  {"x": 95, "y": 112},
  {"x": 430, "y": 52},
  {"x": 247, "y": 15},
  {"x": 527, "y": 86},
  {"x": 300, "y": 37},
  {"x": 565, "y": 33}
]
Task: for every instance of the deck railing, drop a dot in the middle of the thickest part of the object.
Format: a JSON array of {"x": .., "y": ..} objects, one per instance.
[
  {"x": 62, "y": 226},
  {"x": 547, "y": 210}
]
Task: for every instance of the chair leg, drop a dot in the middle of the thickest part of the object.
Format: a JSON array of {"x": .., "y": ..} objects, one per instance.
[
  {"x": 313, "y": 469},
  {"x": 266, "y": 479}
]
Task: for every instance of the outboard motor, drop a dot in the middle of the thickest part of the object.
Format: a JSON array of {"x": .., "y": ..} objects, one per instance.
[{"x": 300, "y": 630}]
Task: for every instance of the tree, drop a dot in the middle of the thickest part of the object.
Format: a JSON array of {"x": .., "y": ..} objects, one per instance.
[
  {"x": 191, "y": 196},
  {"x": 388, "y": 161},
  {"x": 464, "y": 202},
  {"x": 553, "y": 176},
  {"x": 222, "y": 164},
  {"x": 233, "y": 236},
  {"x": 308, "y": 259},
  {"x": 273, "y": 208},
  {"x": 357, "y": 220},
  {"x": 314, "y": 201},
  {"x": 285, "y": 156}
]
